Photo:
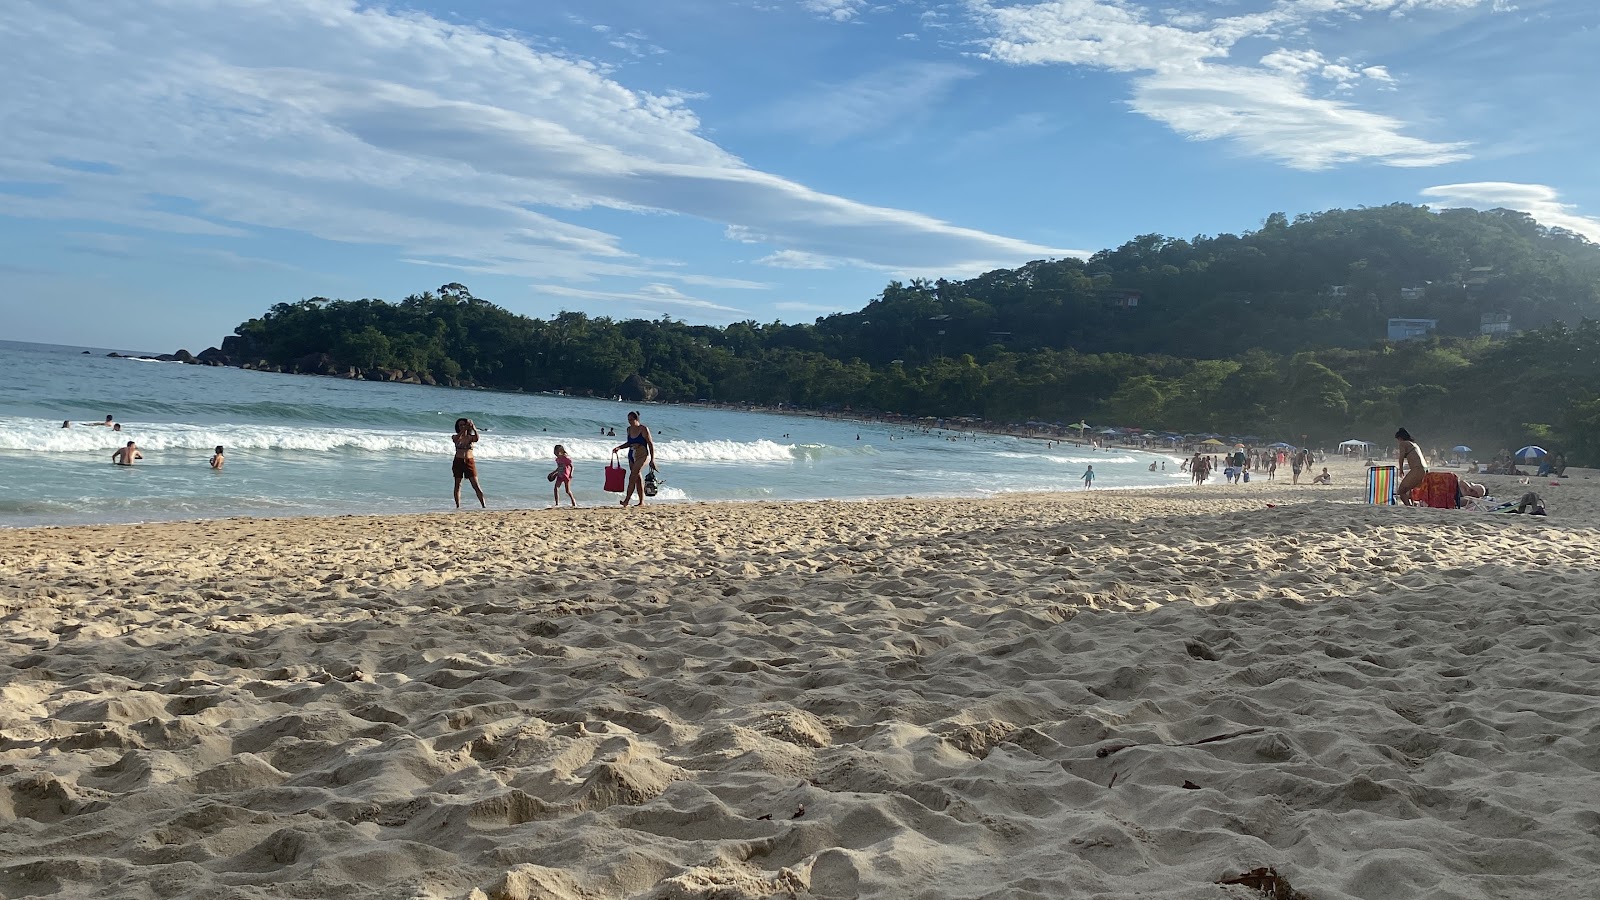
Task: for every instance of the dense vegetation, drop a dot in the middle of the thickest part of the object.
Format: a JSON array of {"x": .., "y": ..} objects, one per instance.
[{"x": 1278, "y": 332}]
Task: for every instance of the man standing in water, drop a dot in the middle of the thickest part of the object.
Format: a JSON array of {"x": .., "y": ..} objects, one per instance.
[
  {"x": 124, "y": 456},
  {"x": 465, "y": 465},
  {"x": 1413, "y": 468}
]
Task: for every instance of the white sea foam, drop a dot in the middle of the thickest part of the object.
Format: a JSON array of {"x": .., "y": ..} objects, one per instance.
[{"x": 39, "y": 436}]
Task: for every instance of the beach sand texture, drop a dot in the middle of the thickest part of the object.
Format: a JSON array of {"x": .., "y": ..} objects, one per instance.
[{"x": 904, "y": 699}]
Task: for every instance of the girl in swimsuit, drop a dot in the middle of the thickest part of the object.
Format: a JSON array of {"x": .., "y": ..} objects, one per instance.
[
  {"x": 641, "y": 449},
  {"x": 464, "y": 465}
]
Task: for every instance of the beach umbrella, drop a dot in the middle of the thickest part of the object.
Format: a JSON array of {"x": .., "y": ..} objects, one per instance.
[
  {"x": 1281, "y": 446},
  {"x": 1355, "y": 443},
  {"x": 1461, "y": 448},
  {"x": 1213, "y": 442},
  {"x": 1531, "y": 452}
]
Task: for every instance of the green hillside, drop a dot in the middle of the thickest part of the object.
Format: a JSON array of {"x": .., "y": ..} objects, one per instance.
[{"x": 1280, "y": 331}]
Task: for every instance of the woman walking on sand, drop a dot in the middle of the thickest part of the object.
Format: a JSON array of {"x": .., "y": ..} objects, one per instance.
[
  {"x": 464, "y": 465},
  {"x": 641, "y": 449}
]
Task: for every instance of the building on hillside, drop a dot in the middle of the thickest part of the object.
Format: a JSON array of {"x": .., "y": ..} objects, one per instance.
[
  {"x": 1413, "y": 293},
  {"x": 1496, "y": 325},
  {"x": 1477, "y": 277},
  {"x": 1410, "y": 329}
]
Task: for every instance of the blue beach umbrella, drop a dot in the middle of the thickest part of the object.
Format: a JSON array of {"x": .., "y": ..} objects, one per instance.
[
  {"x": 1531, "y": 452},
  {"x": 1461, "y": 448}
]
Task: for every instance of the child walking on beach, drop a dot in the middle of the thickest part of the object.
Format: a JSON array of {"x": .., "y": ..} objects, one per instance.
[{"x": 562, "y": 476}]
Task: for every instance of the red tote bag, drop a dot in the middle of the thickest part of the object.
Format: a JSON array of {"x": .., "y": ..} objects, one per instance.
[{"x": 616, "y": 476}]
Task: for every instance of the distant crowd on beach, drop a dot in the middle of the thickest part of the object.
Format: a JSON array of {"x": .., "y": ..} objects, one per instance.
[{"x": 1238, "y": 464}]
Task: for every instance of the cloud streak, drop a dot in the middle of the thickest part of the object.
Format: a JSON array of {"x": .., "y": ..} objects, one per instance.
[
  {"x": 1537, "y": 200},
  {"x": 366, "y": 125}
]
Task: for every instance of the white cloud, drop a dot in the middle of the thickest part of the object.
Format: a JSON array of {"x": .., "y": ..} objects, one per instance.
[
  {"x": 793, "y": 259},
  {"x": 1273, "y": 110},
  {"x": 368, "y": 125},
  {"x": 1537, "y": 200},
  {"x": 1272, "y": 115},
  {"x": 650, "y": 295},
  {"x": 837, "y": 10}
]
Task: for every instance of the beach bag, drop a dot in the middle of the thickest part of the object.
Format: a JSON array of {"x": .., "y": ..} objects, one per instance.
[{"x": 616, "y": 476}]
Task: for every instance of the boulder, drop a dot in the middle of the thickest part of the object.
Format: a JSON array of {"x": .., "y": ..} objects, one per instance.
[
  {"x": 314, "y": 364},
  {"x": 211, "y": 356},
  {"x": 183, "y": 356},
  {"x": 237, "y": 347},
  {"x": 636, "y": 388}
]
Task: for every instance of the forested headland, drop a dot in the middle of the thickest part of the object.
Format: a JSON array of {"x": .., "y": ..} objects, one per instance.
[{"x": 1281, "y": 331}]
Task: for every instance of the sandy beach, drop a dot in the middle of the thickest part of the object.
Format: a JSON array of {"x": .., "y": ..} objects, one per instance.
[{"x": 1089, "y": 694}]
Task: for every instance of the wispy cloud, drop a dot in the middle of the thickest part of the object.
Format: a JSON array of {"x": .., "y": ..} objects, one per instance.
[
  {"x": 875, "y": 102},
  {"x": 820, "y": 309},
  {"x": 1537, "y": 200},
  {"x": 363, "y": 124},
  {"x": 794, "y": 259},
  {"x": 651, "y": 295},
  {"x": 1277, "y": 109}
]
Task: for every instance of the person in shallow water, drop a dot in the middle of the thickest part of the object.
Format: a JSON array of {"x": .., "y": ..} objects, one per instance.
[
  {"x": 465, "y": 465},
  {"x": 124, "y": 456}
]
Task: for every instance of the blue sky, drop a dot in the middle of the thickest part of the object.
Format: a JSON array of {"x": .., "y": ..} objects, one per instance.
[{"x": 170, "y": 169}]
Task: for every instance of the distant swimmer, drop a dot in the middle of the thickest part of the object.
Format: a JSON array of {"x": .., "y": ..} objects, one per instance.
[
  {"x": 216, "y": 458},
  {"x": 67, "y": 424},
  {"x": 106, "y": 423},
  {"x": 126, "y": 455},
  {"x": 464, "y": 465}
]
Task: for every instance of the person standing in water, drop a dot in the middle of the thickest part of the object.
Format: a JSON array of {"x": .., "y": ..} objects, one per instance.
[
  {"x": 124, "y": 456},
  {"x": 562, "y": 476},
  {"x": 216, "y": 459},
  {"x": 641, "y": 449},
  {"x": 465, "y": 465},
  {"x": 1088, "y": 478},
  {"x": 1413, "y": 468}
]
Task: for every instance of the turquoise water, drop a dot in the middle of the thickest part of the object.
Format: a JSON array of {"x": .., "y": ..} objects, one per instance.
[{"x": 302, "y": 445}]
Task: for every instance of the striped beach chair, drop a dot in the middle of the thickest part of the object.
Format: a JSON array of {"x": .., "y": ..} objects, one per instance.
[{"x": 1380, "y": 484}]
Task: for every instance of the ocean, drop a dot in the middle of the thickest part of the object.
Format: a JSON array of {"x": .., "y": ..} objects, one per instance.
[{"x": 306, "y": 445}]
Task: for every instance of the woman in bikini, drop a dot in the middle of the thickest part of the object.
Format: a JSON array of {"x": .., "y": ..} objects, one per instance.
[
  {"x": 641, "y": 449},
  {"x": 464, "y": 465},
  {"x": 1413, "y": 468}
]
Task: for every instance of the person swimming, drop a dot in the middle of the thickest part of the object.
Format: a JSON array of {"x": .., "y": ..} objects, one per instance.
[{"x": 124, "y": 456}]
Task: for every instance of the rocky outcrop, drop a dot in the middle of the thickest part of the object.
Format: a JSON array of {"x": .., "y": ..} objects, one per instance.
[
  {"x": 315, "y": 364},
  {"x": 636, "y": 388},
  {"x": 211, "y": 356}
]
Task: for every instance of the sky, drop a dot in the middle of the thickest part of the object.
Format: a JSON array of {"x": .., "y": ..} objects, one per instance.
[{"x": 171, "y": 168}]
